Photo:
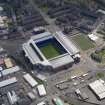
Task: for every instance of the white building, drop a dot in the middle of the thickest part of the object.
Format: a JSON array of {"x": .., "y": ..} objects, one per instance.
[
  {"x": 93, "y": 37},
  {"x": 98, "y": 87},
  {"x": 8, "y": 82},
  {"x": 31, "y": 81},
  {"x": 12, "y": 97},
  {"x": 41, "y": 90}
]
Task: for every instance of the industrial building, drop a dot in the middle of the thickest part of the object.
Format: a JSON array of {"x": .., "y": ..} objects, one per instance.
[
  {"x": 12, "y": 97},
  {"x": 31, "y": 81},
  {"x": 51, "y": 51},
  {"x": 8, "y": 82},
  {"x": 41, "y": 90},
  {"x": 98, "y": 87},
  {"x": 7, "y": 64}
]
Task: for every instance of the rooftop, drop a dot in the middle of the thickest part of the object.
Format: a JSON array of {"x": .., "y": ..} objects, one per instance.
[{"x": 98, "y": 88}]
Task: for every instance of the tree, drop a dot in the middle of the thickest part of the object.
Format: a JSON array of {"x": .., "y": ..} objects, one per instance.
[{"x": 96, "y": 57}]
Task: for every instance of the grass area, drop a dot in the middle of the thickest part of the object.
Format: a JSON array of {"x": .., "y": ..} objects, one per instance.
[
  {"x": 83, "y": 42},
  {"x": 100, "y": 75},
  {"x": 50, "y": 51}
]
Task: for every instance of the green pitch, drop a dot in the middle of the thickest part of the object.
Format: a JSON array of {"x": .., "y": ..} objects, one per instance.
[{"x": 50, "y": 51}]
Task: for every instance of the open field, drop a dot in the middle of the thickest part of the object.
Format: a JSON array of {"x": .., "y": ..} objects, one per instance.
[
  {"x": 100, "y": 75},
  {"x": 83, "y": 42}
]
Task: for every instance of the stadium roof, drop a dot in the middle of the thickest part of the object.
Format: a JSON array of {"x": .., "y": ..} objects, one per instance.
[
  {"x": 65, "y": 59},
  {"x": 72, "y": 49}
]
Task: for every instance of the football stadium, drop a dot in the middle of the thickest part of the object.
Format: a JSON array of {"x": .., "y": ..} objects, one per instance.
[
  {"x": 51, "y": 48},
  {"x": 47, "y": 50}
]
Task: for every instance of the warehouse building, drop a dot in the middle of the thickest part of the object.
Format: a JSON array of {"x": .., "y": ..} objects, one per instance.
[
  {"x": 8, "y": 82},
  {"x": 47, "y": 50},
  {"x": 30, "y": 80},
  {"x": 98, "y": 87},
  {"x": 41, "y": 90}
]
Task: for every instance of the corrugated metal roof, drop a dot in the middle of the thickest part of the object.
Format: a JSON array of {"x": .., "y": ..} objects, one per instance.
[
  {"x": 30, "y": 80},
  {"x": 41, "y": 90},
  {"x": 8, "y": 82},
  {"x": 99, "y": 88}
]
